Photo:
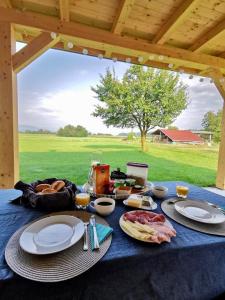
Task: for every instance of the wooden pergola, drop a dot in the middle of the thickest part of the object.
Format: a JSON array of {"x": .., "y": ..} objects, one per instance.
[{"x": 181, "y": 35}]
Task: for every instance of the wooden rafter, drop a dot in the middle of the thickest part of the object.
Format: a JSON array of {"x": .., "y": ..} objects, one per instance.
[
  {"x": 64, "y": 10},
  {"x": 122, "y": 15},
  {"x": 5, "y": 3},
  {"x": 35, "y": 48},
  {"x": 173, "y": 21},
  {"x": 208, "y": 36},
  {"x": 47, "y": 23},
  {"x": 108, "y": 53}
]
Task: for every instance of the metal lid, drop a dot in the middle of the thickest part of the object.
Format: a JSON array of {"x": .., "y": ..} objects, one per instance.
[{"x": 135, "y": 164}]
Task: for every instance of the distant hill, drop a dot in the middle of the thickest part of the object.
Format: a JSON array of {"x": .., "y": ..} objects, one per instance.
[{"x": 23, "y": 128}]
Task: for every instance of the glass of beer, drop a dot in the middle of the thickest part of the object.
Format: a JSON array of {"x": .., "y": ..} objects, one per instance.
[
  {"x": 82, "y": 200},
  {"x": 182, "y": 191}
]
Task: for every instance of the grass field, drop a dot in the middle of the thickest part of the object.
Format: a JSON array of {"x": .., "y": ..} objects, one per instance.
[{"x": 44, "y": 156}]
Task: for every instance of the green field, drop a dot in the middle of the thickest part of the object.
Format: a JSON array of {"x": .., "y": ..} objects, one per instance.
[{"x": 44, "y": 156}]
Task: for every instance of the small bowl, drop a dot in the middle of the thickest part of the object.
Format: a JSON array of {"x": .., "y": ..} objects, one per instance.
[{"x": 159, "y": 191}]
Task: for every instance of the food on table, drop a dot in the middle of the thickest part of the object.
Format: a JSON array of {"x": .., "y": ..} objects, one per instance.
[
  {"x": 119, "y": 182},
  {"x": 182, "y": 191},
  {"x": 117, "y": 174},
  {"x": 49, "y": 191},
  {"x": 147, "y": 226},
  {"x": 134, "y": 203},
  {"x": 40, "y": 187},
  {"x": 160, "y": 191},
  {"x": 58, "y": 185},
  {"x": 130, "y": 181},
  {"x": 138, "y": 187},
  {"x": 101, "y": 179},
  {"x": 123, "y": 190},
  {"x": 138, "y": 171}
]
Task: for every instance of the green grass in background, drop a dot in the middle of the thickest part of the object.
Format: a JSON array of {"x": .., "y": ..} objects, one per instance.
[{"x": 44, "y": 156}]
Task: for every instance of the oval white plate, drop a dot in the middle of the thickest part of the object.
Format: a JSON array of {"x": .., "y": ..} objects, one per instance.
[
  {"x": 152, "y": 207},
  {"x": 51, "y": 234},
  {"x": 167, "y": 222},
  {"x": 199, "y": 211}
]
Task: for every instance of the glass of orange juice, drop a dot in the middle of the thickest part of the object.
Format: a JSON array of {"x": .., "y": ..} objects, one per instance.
[
  {"x": 82, "y": 200},
  {"x": 182, "y": 191}
]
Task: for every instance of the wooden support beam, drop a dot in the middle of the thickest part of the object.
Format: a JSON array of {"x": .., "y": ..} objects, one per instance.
[
  {"x": 220, "y": 84},
  {"x": 208, "y": 36},
  {"x": 174, "y": 20},
  {"x": 64, "y": 10},
  {"x": 123, "y": 13},
  {"x": 5, "y": 3},
  {"x": 106, "y": 38},
  {"x": 34, "y": 49},
  {"x": 108, "y": 53},
  {"x": 8, "y": 110}
]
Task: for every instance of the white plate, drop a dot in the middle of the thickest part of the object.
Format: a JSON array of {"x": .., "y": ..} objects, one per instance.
[
  {"x": 152, "y": 207},
  {"x": 133, "y": 236},
  {"x": 51, "y": 234},
  {"x": 199, "y": 211}
]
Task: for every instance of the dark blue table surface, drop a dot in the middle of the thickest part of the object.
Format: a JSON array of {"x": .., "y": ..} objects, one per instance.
[{"x": 192, "y": 266}]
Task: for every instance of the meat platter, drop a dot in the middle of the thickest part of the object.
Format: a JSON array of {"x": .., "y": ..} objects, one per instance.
[{"x": 147, "y": 226}]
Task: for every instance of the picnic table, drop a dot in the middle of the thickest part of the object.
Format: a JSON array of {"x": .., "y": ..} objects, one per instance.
[{"x": 192, "y": 266}]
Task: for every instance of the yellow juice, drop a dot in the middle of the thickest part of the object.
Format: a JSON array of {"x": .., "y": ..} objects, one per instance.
[
  {"x": 182, "y": 191},
  {"x": 82, "y": 199}
]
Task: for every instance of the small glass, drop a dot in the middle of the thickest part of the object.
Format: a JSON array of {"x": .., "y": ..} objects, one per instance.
[
  {"x": 82, "y": 200},
  {"x": 182, "y": 191}
]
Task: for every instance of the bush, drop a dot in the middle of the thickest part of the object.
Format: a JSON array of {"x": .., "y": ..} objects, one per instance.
[{"x": 72, "y": 131}]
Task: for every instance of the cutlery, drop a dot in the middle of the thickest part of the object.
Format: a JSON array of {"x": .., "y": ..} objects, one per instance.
[
  {"x": 93, "y": 223},
  {"x": 216, "y": 206},
  {"x": 173, "y": 201},
  {"x": 85, "y": 246}
]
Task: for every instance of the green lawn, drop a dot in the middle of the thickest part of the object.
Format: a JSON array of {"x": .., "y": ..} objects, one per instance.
[{"x": 44, "y": 156}]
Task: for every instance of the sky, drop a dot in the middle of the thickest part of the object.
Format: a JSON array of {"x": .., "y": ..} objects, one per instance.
[{"x": 55, "y": 90}]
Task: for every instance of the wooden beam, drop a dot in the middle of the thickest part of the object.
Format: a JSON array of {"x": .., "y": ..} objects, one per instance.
[
  {"x": 5, "y": 3},
  {"x": 220, "y": 84},
  {"x": 108, "y": 53},
  {"x": 123, "y": 13},
  {"x": 8, "y": 110},
  {"x": 34, "y": 49},
  {"x": 106, "y": 38},
  {"x": 64, "y": 10},
  {"x": 174, "y": 20},
  {"x": 208, "y": 36}
]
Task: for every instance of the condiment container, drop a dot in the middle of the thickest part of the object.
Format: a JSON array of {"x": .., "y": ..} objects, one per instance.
[
  {"x": 101, "y": 179},
  {"x": 138, "y": 171}
]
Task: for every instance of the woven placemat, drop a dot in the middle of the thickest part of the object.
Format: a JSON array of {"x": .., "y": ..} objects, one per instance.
[
  {"x": 215, "y": 229},
  {"x": 55, "y": 267}
]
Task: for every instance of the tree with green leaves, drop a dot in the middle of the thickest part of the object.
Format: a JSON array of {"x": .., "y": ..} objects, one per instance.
[
  {"x": 72, "y": 131},
  {"x": 143, "y": 98},
  {"x": 212, "y": 122}
]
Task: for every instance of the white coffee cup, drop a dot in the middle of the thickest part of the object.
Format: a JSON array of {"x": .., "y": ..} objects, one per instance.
[{"x": 103, "y": 206}]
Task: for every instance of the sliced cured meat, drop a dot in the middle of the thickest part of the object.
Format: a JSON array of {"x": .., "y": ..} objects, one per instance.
[{"x": 143, "y": 217}]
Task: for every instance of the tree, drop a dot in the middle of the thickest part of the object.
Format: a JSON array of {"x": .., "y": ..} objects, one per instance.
[
  {"x": 72, "y": 131},
  {"x": 212, "y": 122},
  {"x": 171, "y": 127},
  {"x": 143, "y": 98}
]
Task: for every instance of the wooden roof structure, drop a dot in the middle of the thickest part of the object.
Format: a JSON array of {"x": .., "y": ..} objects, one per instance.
[{"x": 181, "y": 35}]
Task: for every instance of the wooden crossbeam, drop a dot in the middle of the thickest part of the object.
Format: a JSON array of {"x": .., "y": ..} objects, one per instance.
[
  {"x": 108, "y": 53},
  {"x": 5, "y": 3},
  {"x": 106, "y": 38},
  {"x": 64, "y": 10},
  {"x": 208, "y": 36},
  {"x": 34, "y": 49},
  {"x": 173, "y": 21},
  {"x": 122, "y": 15}
]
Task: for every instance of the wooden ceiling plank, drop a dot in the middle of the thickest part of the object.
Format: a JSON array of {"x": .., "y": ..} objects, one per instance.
[
  {"x": 122, "y": 15},
  {"x": 174, "y": 20},
  {"x": 5, "y": 3},
  {"x": 34, "y": 49},
  {"x": 208, "y": 36},
  {"x": 64, "y": 10},
  {"x": 47, "y": 23}
]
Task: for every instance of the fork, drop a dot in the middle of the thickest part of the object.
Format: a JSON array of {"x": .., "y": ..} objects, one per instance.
[{"x": 85, "y": 246}]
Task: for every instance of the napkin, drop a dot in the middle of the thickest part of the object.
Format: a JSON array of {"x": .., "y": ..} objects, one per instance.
[{"x": 102, "y": 232}]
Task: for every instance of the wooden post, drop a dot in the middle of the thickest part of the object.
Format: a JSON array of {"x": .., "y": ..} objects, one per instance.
[
  {"x": 220, "y": 179},
  {"x": 8, "y": 109}
]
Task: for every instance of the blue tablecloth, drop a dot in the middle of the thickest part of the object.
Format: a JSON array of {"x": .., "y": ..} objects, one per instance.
[{"x": 192, "y": 266}]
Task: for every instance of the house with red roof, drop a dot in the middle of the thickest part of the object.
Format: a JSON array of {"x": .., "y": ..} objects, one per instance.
[{"x": 177, "y": 136}]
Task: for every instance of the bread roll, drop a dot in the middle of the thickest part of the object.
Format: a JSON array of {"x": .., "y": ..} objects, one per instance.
[
  {"x": 58, "y": 185},
  {"x": 49, "y": 191},
  {"x": 40, "y": 187}
]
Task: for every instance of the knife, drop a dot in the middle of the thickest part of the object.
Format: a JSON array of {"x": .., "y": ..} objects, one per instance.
[{"x": 93, "y": 223}]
